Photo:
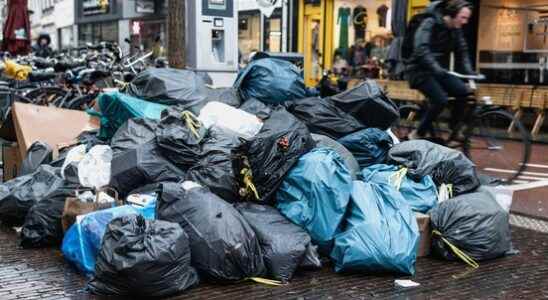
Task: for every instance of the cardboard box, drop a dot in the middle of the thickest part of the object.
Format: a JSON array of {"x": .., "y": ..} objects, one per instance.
[
  {"x": 54, "y": 126},
  {"x": 11, "y": 160},
  {"x": 423, "y": 221}
]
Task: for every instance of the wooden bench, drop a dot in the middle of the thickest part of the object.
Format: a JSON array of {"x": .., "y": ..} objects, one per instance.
[{"x": 514, "y": 97}]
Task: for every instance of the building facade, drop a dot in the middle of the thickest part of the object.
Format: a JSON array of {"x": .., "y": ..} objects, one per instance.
[{"x": 140, "y": 21}]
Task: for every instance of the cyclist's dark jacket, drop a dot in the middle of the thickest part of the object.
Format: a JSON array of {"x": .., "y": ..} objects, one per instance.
[{"x": 433, "y": 44}]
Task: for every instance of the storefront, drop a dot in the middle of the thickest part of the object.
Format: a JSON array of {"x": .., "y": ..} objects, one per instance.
[
  {"x": 257, "y": 32},
  {"x": 140, "y": 21},
  {"x": 349, "y": 37},
  {"x": 513, "y": 41},
  {"x": 97, "y": 22}
]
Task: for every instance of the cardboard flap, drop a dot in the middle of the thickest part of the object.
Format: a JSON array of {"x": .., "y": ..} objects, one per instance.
[{"x": 50, "y": 125}]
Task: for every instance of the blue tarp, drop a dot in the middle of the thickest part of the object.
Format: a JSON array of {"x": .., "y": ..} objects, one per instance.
[
  {"x": 370, "y": 146},
  {"x": 315, "y": 194},
  {"x": 82, "y": 241},
  {"x": 116, "y": 108},
  {"x": 420, "y": 195},
  {"x": 380, "y": 233},
  {"x": 270, "y": 80}
]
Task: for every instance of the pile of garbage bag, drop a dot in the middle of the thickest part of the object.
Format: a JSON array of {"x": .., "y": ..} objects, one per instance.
[{"x": 183, "y": 184}]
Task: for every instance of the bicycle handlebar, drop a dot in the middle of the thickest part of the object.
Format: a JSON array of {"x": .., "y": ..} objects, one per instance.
[{"x": 469, "y": 77}]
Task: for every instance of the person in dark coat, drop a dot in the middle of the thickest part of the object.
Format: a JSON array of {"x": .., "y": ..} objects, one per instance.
[
  {"x": 42, "y": 48},
  {"x": 439, "y": 34}
]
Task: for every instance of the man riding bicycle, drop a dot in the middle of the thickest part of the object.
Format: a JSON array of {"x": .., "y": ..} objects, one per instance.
[{"x": 438, "y": 34}]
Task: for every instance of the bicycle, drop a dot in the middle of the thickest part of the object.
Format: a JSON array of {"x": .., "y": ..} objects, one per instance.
[{"x": 492, "y": 138}]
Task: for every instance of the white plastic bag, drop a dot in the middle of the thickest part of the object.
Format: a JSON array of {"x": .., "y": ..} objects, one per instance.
[
  {"x": 75, "y": 154},
  {"x": 94, "y": 168},
  {"x": 227, "y": 117}
]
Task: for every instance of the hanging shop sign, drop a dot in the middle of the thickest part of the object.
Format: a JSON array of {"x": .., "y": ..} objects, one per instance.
[{"x": 95, "y": 7}]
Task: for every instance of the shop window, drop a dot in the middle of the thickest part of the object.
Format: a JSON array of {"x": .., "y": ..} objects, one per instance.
[
  {"x": 361, "y": 37},
  {"x": 513, "y": 41},
  {"x": 98, "y": 32},
  {"x": 273, "y": 32}
]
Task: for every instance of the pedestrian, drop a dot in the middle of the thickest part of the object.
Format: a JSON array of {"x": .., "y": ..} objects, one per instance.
[
  {"x": 42, "y": 48},
  {"x": 157, "y": 48},
  {"x": 437, "y": 35}
]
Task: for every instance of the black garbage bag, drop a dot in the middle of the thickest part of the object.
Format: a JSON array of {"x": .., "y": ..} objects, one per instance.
[
  {"x": 228, "y": 96},
  {"x": 168, "y": 86},
  {"x": 143, "y": 165},
  {"x": 180, "y": 136},
  {"x": 283, "y": 243},
  {"x": 270, "y": 80},
  {"x": 133, "y": 133},
  {"x": 321, "y": 116},
  {"x": 38, "y": 154},
  {"x": 368, "y": 103},
  {"x": 257, "y": 108},
  {"x": 475, "y": 223},
  {"x": 445, "y": 165},
  {"x": 42, "y": 226},
  {"x": 18, "y": 195},
  {"x": 143, "y": 258},
  {"x": 224, "y": 247},
  {"x": 350, "y": 161},
  {"x": 265, "y": 159},
  {"x": 214, "y": 169},
  {"x": 370, "y": 146}
]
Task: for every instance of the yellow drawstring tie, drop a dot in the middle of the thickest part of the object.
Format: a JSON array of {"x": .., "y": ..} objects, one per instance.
[
  {"x": 266, "y": 281},
  {"x": 446, "y": 192},
  {"x": 248, "y": 182},
  {"x": 460, "y": 254},
  {"x": 396, "y": 179},
  {"x": 192, "y": 122},
  {"x": 16, "y": 71}
]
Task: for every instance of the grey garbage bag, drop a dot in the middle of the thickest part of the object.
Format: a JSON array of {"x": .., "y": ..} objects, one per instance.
[
  {"x": 18, "y": 195},
  {"x": 475, "y": 223},
  {"x": 169, "y": 86},
  {"x": 445, "y": 165},
  {"x": 283, "y": 243},
  {"x": 224, "y": 247},
  {"x": 143, "y": 258},
  {"x": 321, "y": 116},
  {"x": 38, "y": 154},
  {"x": 368, "y": 103},
  {"x": 133, "y": 133},
  {"x": 141, "y": 166}
]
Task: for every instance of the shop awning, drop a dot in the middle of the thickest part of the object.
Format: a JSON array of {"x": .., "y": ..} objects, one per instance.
[{"x": 16, "y": 30}]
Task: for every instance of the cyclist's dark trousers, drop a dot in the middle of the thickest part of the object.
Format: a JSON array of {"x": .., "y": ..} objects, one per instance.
[{"x": 438, "y": 89}]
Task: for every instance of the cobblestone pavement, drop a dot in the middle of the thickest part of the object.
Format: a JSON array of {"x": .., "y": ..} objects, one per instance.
[{"x": 43, "y": 274}]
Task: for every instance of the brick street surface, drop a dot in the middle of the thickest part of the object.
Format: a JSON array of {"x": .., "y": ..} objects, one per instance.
[{"x": 43, "y": 274}]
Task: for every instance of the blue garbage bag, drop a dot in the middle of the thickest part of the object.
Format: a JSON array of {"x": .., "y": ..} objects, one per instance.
[
  {"x": 421, "y": 195},
  {"x": 270, "y": 80},
  {"x": 380, "y": 235},
  {"x": 370, "y": 146},
  {"x": 82, "y": 241},
  {"x": 315, "y": 194},
  {"x": 116, "y": 108}
]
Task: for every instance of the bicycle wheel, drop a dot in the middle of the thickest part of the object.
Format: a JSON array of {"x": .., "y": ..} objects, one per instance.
[
  {"x": 46, "y": 95},
  {"x": 497, "y": 150},
  {"x": 409, "y": 120}
]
